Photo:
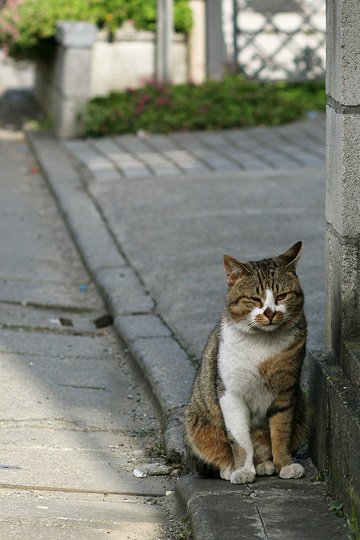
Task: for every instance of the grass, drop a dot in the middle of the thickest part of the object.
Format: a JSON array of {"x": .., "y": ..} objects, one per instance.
[{"x": 213, "y": 105}]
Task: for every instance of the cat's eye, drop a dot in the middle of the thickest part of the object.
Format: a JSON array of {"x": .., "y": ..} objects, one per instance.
[
  {"x": 281, "y": 297},
  {"x": 252, "y": 299}
]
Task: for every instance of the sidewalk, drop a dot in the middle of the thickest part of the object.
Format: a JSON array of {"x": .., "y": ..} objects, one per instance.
[
  {"x": 152, "y": 218},
  {"x": 75, "y": 419}
]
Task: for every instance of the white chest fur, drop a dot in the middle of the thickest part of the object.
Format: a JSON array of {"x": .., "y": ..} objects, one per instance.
[{"x": 239, "y": 357}]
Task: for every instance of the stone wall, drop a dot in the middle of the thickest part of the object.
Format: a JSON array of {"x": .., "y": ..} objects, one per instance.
[
  {"x": 130, "y": 59},
  {"x": 335, "y": 375},
  {"x": 86, "y": 65}
]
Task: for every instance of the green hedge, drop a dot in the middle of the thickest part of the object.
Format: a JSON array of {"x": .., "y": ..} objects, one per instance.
[
  {"x": 231, "y": 103},
  {"x": 27, "y": 27}
]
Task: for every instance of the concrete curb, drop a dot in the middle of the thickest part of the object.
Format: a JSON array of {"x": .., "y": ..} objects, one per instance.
[
  {"x": 165, "y": 365},
  {"x": 271, "y": 508}
]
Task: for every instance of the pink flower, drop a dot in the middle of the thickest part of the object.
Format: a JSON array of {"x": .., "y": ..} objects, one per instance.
[{"x": 162, "y": 101}]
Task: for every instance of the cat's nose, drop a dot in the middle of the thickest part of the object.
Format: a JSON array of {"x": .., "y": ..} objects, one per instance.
[{"x": 269, "y": 313}]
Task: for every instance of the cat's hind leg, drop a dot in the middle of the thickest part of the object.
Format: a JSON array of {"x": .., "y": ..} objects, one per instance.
[
  {"x": 262, "y": 452},
  {"x": 211, "y": 445}
]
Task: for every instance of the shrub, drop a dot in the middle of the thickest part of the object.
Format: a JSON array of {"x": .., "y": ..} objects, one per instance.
[
  {"x": 27, "y": 27},
  {"x": 233, "y": 102}
]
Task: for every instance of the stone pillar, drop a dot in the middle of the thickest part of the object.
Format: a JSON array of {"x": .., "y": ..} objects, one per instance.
[
  {"x": 71, "y": 84},
  {"x": 72, "y": 74},
  {"x": 335, "y": 374},
  {"x": 197, "y": 43},
  {"x": 343, "y": 170},
  {"x": 215, "y": 45}
]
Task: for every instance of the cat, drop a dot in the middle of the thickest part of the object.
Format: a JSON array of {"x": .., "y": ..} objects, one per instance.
[{"x": 247, "y": 412}]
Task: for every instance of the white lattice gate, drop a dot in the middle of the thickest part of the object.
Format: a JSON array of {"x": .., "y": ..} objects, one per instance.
[{"x": 279, "y": 39}]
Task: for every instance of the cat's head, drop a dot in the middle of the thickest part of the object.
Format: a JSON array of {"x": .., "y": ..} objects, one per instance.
[{"x": 266, "y": 295}]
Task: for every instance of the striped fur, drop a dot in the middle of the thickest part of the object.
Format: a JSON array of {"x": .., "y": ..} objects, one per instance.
[{"x": 247, "y": 413}]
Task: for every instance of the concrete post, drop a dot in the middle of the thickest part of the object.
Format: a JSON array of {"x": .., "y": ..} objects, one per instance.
[
  {"x": 215, "y": 45},
  {"x": 335, "y": 375},
  {"x": 343, "y": 168},
  {"x": 72, "y": 74},
  {"x": 197, "y": 43},
  {"x": 164, "y": 33}
]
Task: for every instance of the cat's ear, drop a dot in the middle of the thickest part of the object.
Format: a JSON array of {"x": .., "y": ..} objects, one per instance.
[
  {"x": 290, "y": 258},
  {"x": 234, "y": 269}
]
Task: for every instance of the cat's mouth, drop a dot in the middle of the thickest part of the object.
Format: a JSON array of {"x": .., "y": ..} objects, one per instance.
[{"x": 269, "y": 325}]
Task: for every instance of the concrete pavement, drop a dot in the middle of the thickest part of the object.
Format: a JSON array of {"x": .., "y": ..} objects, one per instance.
[
  {"x": 75, "y": 417},
  {"x": 167, "y": 209}
]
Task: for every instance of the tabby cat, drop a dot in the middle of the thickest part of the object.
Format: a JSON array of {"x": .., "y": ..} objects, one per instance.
[{"x": 247, "y": 413}]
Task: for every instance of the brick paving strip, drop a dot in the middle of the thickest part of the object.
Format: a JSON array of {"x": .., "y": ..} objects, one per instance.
[
  {"x": 297, "y": 145},
  {"x": 270, "y": 508}
]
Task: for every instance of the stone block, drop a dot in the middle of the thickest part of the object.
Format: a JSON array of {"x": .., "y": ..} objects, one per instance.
[
  {"x": 335, "y": 436},
  {"x": 123, "y": 291},
  {"x": 53, "y": 159},
  {"x": 343, "y": 44},
  {"x": 342, "y": 306},
  {"x": 95, "y": 243},
  {"x": 66, "y": 124},
  {"x": 76, "y": 34},
  {"x": 272, "y": 508},
  {"x": 343, "y": 165},
  {"x": 345, "y": 441},
  {"x": 132, "y": 327},
  {"x": 163, "y": 361},
  {"x": 72, "y": 72}
]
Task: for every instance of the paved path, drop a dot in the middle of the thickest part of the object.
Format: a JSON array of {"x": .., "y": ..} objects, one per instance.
[{"x": 74, "y": 419}]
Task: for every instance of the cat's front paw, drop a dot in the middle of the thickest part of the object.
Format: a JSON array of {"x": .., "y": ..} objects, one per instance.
[
  {"x": 225, "y": 474},
  {"x": 295, "y": 470},
  {"x": 266, "y": 468},
  {"x": 242, "y": 476}
]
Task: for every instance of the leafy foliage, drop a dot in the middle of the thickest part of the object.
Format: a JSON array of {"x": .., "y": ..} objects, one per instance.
[
  {"x": 27, "y": 27},
  {"x": 233, "y": 102}
]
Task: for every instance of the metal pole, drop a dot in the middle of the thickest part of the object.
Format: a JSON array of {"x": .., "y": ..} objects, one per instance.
[
  {"x": 235, "y": 36},
  {"x": 164, "y": 34}
]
